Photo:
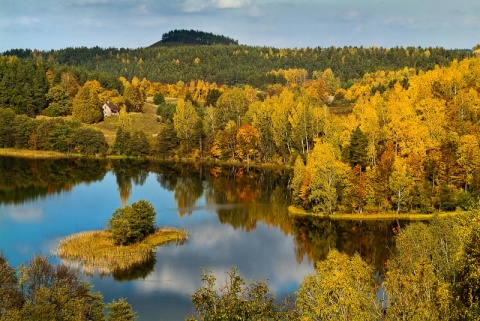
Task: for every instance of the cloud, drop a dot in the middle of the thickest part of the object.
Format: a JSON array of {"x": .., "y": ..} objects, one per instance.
[
  {"x": 200, "y": 5},
  {"x": 22, "y": 21},
  {"x": 232, "y": 4},
  {"x": 26, "y": 215},
  {"x": 87, "y": 2},
  {"x": 195, "y": 5}
]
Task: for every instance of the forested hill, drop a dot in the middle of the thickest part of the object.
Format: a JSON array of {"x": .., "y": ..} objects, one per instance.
[
  {"x": 240, "y": 64},
  {"x": 193, "y": 37}
]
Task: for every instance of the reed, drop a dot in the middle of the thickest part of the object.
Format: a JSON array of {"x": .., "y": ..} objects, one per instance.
[
  {"x": 95, "y": 251},
  {"x": 297, "y": 212}
]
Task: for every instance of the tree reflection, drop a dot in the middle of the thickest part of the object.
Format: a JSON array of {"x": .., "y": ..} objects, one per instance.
[
  {"x": 24, "y": 180},
  {"x": 246, "y": 196},
  {"x": 136, "y": 271},
  {"x": 373, "y": 240},
  {"x": 126, "y": 171}
]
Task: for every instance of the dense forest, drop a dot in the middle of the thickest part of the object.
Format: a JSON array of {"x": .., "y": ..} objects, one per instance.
[
  {"x": 365, "y": 130},
  {"x": 193, "y": 37},
  {"x": 240, "y": 64},
  {"x": 403, "y": 140}
]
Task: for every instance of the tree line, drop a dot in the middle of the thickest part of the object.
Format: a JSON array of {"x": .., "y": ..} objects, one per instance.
[{"x": 240, "y": 64}]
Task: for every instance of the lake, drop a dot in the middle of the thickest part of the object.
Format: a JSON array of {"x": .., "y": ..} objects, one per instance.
[{"x": 236, "y": 217}]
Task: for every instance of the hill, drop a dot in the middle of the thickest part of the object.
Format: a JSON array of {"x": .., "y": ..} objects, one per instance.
[
  {"x": 193, "y": 37},
  {"x": 240, "y": 64}
]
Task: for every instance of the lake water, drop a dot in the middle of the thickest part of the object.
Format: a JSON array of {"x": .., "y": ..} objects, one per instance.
[{"x": 236, "y": 217}]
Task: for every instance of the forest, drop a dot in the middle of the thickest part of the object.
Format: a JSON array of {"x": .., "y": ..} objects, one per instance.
[
  {"x": 240, "y": 64},
  {"x": 365, "y": 130},
  {"x": 399, "y": 140}
]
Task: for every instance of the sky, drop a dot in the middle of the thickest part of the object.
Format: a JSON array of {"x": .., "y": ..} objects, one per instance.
[{"x": 57, "y": 24}]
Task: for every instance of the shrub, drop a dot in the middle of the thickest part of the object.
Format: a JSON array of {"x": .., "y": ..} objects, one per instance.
[{"x": 131, "y": 224}]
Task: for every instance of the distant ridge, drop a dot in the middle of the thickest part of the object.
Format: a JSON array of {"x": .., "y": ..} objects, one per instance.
[{"x": 193, "y": 37}]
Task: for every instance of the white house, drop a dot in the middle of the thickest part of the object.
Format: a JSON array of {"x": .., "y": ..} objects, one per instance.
[{"x": 110, "y": 109}]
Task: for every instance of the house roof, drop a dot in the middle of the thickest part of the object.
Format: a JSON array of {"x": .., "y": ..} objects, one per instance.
[{"x": 112, "y": 106}]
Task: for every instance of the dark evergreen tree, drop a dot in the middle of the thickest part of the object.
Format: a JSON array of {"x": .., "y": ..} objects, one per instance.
[
  {"x": 139, "y": 145},
  {"x": 158, "y": 99},
  {"x": 358, "y": 148},
  {"x": 121, "y": 145},
  {"x": 87, "y": 141},
  {"x": 167, "y": 140},
  {"x": 7, "y": 120}
]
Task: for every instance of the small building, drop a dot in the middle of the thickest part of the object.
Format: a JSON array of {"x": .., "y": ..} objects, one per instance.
[{"x": 110, "y": 109}]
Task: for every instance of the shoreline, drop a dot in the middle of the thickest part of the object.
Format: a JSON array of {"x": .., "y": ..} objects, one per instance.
[
  {"x": 40, "y": 154},
  {"x": 296, "y": 212}
]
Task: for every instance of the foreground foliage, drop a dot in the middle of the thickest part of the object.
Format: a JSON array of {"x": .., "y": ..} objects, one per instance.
[
  {"x": 42, "y": 291},
  {"x": 236, "y": 300},
  {"x": 342, "y": 289},
  {"x": 432, "y": 275}
]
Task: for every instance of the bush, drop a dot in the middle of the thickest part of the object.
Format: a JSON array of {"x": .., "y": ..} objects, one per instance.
[
  {"x": 131, "y": 224},
  {"x": 158, "y": 99}
]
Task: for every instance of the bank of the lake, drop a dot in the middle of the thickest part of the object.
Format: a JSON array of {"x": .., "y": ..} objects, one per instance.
[
  {"x": 30, "y": 153},
  {"x": 41, "y": 154},
  {"x": 297, "y": 212}
]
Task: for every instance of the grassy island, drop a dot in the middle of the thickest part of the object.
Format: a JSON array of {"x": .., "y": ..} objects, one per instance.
[
  {"x": 96, "y": 251},
  {"x": 298, "y": 212}
]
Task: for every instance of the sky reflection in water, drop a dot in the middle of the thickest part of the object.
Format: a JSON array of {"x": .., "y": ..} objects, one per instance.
[{"x": 260, "y": 248}]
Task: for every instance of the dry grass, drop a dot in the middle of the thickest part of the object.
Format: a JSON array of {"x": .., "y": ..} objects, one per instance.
[
  {"x": 300, "y": 212},
  {"x": 95, "y": 251},
  {"x": 28, "y": 153}
]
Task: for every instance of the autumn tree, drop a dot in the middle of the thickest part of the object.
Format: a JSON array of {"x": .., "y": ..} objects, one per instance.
[
  {"x": 400, "y": 182},
  {"x": 301, "y": 123},
  {"x": 232, "y": 105},
  {"x": 134, "y": 96},
  {"x": 343, "y": 288},
  {"x": 281, "y": 127},
  {"x": 421, "y": 276},
  {"x": 56, "y": 292},
  {"x": 186, "y": 123},
  {"x": 86, "y": 105},
  {"x": 468, "y": 157},
  {"x": 328, "y": 174},
  {"x": 248, "y": 140}
]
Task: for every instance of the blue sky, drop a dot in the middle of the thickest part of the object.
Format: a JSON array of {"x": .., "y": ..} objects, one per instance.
[{"x": 56, "y": 24}]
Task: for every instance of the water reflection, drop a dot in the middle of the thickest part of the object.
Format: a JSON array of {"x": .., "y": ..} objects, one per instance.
[
  {"x": 136, "y": 270},
  {"x": 235, "y": 216},
  {"x": 26, "y": 180},
  {"x": 373, "y": 240}
]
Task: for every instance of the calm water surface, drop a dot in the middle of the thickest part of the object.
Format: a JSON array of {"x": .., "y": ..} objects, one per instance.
[{"x": 235, "y": 217}]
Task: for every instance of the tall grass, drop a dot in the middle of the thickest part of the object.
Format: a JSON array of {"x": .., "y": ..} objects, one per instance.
[
  {"x": 298, "y": 212},
  {"x": 95, "y": 251},
  {"x": 28, "y": 153}
]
